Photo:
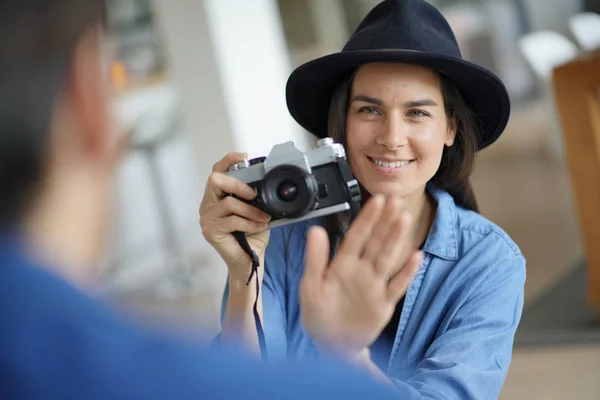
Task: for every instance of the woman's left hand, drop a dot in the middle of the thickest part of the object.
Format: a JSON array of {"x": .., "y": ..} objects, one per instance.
[{"x": 346, "y": 304}]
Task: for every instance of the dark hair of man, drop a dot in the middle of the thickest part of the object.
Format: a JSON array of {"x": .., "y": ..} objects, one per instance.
[{"x": 36, "y": 42}]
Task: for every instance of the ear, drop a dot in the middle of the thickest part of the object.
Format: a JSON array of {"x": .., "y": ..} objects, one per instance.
[
  {"x": 451, "y": 132},
  {"x": 87, "y": 90}
]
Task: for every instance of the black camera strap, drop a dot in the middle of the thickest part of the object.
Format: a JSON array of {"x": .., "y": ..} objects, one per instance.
[{"x": 241, "y": 238}]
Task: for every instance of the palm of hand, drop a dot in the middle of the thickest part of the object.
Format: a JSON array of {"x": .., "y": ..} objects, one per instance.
[
  {"x": 348, "y": 311},
  {"x": 346, "y": 303}
]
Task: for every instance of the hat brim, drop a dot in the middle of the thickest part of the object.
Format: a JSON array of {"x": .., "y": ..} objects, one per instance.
[{"x": 310, "y": 86}]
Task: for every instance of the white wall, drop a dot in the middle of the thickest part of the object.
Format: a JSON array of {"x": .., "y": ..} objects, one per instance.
[
  {"x": 251, "y": 54},
  {"x": 228, "y": 65},
  {"x": 551, "y": 14}
]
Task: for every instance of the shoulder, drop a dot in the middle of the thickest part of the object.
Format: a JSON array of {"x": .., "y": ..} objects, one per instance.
[
  {"x": 476, "y": 244},
  {"x": 495, "y": 259},
  {"x": 473, "y": 257},
  {"x": 476, "y": 230},
  {"x": 64, "y": 323},
  {"x": 489, "y": 258},
  {"x": 461, "y": 230}
]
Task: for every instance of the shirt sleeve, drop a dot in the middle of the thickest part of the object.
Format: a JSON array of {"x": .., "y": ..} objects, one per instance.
[
  {"x": 273, "y": 293},
  {"x": 471, "y": 358}
]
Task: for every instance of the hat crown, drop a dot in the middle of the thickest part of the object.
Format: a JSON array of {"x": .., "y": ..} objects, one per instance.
[
  {"x": 401, "y": 31},
  {"x": 404, "y": 25}
]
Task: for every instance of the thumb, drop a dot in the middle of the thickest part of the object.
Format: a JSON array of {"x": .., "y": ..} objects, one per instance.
[{"x": 316, "y": 256}]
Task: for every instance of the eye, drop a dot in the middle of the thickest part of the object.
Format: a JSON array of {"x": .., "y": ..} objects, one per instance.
[
  {"x": 417, "y": 114},
  {"x": 368, "y": 110}
]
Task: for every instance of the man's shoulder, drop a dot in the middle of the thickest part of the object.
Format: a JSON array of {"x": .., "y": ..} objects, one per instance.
[{"x": 73, "y": 347}]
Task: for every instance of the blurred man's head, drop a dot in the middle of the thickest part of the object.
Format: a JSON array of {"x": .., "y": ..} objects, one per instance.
[{"x": 56, "y": 142}]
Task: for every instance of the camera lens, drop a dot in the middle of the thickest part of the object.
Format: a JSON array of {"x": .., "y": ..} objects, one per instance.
[{"x": 289, "y": 191}]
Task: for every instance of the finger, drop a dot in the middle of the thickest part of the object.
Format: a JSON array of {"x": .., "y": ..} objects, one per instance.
[
  {"x": 316, "y": 256},
  {"x": 362, "y": 227},
  {"x": 396, "y": 246},
  {"x": 399, "y": 283},
  {"x": 384, "y": 229},
  {"x": 230, "y": 158},
  {"x": 233, "y": 223},
  {"x": 220, "y": 184},
  {"x": 232, "y": 206}
]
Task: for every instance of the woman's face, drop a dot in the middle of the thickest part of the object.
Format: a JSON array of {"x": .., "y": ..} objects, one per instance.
[{"x": 396, "y": 127}]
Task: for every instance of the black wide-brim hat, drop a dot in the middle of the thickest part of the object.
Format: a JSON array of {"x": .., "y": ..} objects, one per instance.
[{"x": 404, "y": 31}]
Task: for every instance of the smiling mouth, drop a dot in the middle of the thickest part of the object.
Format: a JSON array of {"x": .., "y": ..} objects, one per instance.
[
  {"x": 390, "y": 166},
  {"x": 386, "y": 164}
]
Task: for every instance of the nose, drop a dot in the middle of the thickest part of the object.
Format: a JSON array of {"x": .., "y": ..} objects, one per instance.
[{"x": 393, "y": 133}]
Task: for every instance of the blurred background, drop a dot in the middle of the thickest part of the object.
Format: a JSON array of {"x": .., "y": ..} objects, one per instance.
[{"x": 194, "y": 80}]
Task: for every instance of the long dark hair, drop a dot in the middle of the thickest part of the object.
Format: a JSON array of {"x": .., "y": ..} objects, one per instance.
[{"x": 454, "y": 172}]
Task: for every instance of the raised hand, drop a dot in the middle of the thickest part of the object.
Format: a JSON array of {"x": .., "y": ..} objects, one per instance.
[{"x": 345, "y": 304}]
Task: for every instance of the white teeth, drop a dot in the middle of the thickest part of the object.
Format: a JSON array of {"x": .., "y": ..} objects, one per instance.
[{"x": 396, "y": 164}]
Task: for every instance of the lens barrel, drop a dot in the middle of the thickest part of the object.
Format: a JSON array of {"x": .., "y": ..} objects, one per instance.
[{"x": 289, "y": 191}]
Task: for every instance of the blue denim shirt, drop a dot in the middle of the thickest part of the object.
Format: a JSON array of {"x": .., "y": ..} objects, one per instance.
[{"x": 455, "y": 335}]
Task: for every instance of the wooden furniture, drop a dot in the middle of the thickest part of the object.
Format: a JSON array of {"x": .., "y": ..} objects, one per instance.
[{"x": 577, "y": 96}]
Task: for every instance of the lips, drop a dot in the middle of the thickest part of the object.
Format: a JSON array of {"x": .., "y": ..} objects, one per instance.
[
  {"x": 389, "y": 166},
  {"x": 392, "y": 164},
  {"x": 388, "y": 163}
]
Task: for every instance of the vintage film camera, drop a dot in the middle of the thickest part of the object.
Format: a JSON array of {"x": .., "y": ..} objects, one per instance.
[{"x": 293, "y": 186}]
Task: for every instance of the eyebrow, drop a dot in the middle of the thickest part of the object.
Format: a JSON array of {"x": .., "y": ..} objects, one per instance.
[
  {"x": 420, "y": 103},
  {"x": 409, "y": 104},
  {"x": 367, "y": 99}
]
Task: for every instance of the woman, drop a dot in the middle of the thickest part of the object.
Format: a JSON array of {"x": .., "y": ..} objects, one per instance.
[{"x": 429, "y": 300}]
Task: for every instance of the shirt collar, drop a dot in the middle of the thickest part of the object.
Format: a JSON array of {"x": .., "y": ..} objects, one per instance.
[{"x": 442, "y": 238}]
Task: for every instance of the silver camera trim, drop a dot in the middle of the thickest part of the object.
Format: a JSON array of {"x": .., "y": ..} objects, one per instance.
[
  {"x": 310, "y": 215},
  {"x": 325, "y": 152},
  {"x": 287, "y": 153}
]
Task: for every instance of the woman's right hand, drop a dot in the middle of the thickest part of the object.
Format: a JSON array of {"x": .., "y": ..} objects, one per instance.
[{"x": 220, "y": 215}]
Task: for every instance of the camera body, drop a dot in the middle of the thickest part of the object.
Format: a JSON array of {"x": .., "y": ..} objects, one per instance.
[{"x": 293, "y": 186}]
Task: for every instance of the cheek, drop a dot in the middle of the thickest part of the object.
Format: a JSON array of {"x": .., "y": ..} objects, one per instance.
[
  {"x": 356, "y": 143},
  {"x": 429, "y": 154},
  {"x": 359, "y": 136},
  {"x": 429, "y": 143},
  {"x": 427, "y": 149}
]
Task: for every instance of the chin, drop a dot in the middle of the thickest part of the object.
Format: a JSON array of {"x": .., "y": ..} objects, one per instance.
[{"x": 388, "y": 188}]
